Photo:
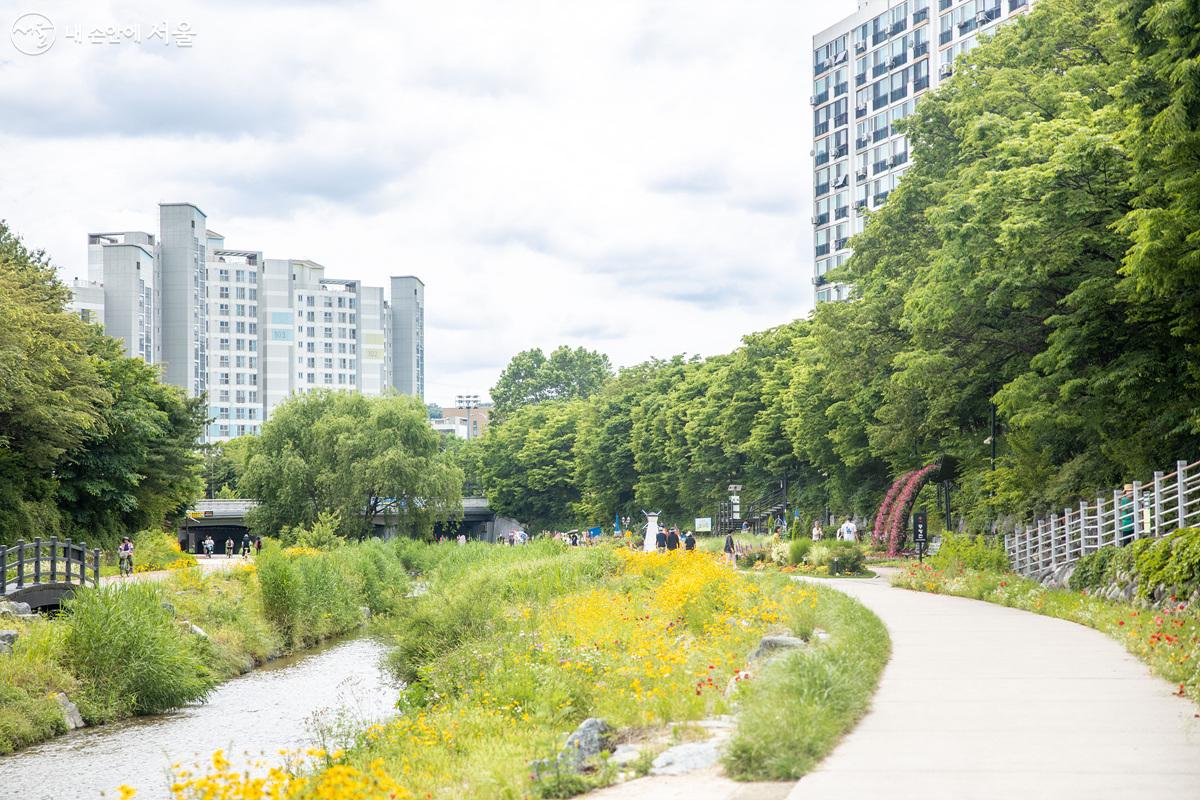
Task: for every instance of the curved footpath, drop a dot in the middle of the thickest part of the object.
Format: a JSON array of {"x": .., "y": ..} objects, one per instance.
[{"x": 983, "y": 701}]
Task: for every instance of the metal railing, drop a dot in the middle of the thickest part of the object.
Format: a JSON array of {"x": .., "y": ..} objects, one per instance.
[
  {"x": 39, "y": 562},
  {"x": 1143, "y": 511}
]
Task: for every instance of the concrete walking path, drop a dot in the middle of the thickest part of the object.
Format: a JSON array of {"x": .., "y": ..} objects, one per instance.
[
  {"x": 214, "y": 564},
  {"x": 983, "y": 701}
]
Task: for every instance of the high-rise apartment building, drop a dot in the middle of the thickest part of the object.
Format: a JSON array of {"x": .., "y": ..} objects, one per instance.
[
  {"x": 408, "y": 335},
  {"x": 868, "y": 71},
  {"x": 247, "y": 331}
]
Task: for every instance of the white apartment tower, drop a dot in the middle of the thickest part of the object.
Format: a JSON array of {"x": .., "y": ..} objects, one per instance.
[
  {"x": 408, "y": 335},
  {"x": 247, "y": 331},
  {"x": 868, "y": 71}
]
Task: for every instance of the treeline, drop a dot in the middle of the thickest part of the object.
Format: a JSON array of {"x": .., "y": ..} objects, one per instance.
[
  {"x": 92, "y": 444},
  {"x": 1040, "y": 254}
]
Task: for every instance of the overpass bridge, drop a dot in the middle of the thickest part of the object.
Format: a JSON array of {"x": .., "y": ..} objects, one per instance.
[{"x": 226, "y": 519}]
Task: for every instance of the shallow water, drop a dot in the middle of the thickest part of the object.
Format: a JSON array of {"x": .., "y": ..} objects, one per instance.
[{"x": 282, "y": 705}]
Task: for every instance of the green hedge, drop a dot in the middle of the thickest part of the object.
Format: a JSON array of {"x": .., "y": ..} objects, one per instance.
[
  {"x": 961, "y": 550},
  {"x": 1172, "y": 561}
]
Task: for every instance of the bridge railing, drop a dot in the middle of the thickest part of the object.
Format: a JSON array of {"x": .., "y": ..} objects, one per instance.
[
  {"x": 27, "y": 564},
  {"x": 1147, "y": 510}
]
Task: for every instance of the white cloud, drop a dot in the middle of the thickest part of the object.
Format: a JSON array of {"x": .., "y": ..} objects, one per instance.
[{"x": 629, "y": 176}]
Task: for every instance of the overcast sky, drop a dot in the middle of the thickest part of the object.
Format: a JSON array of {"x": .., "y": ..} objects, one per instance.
[{"x": 626, "y": 176}]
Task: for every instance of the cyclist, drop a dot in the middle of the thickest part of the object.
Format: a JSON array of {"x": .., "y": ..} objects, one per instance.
[{"x": 125, "y": 556}]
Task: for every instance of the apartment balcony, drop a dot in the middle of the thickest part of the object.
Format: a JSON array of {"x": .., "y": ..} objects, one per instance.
[
  {"x": 944, "y": 4},
  {"x": 840, "y": 120},
  {"x": 898, "y": 26},
  {"x": 818, "y": 99},
  {"x": 881, "y": 166},
  {"x": 841, "y": 89},
  {"x": 840, "y": 244},
  {"x": 1013, "y": 5},
  {"x": 879, "y": 198},
  {"x": 966, "y": 26},
  {"x": 842, "y": 212},
  {"x": 820, "y": 128},
  {"x": 898, "y": 60},
  {"x": 921, "y": 84},
  {"x": 880, "y": 134},
  {"x": 822, "y": 188},
  {"x": 860, "y": 79},
  {"x": 841, "y": 151},
  {"x": 920, "y": 49},
  {"x": 879, "y": 37},
  {"x": 861, "y": 142},
  {"x": 860, "y": 46},
  {"x": 860, "y": 111},
  {"x": 945, "y": 70},
  {"x": 879, "y": 102},
  {"x": 899, "y": 158},
  {"x": 841, "y": 181},
  {"x": 821, "y": 250},
  {"x": 821, "y": 158},
  {"x": 861, "y": 174},
  {"x": 945, "y": 36},
  {"x": 822, "y": 66},
  {"x": 820, "y": 219},
  {"x": 920, "y": 15},
  {"x": 899, "y": 94},
  {"x": 860, "y": 206}
]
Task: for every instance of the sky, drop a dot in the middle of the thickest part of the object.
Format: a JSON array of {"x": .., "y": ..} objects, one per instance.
[{"x": 631, "y": 177}]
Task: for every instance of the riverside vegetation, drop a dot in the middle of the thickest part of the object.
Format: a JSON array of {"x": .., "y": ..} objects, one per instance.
[
  {"x": 126, "y": 649},
  {"x": 535, "y": 639},
  {"x": 1163, "y": 633}
]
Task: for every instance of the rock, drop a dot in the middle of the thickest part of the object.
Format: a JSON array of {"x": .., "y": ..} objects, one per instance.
[
  {"x": 688, "y": 757},
  {"x": 773, "y": 645},
  {"x": 11, "y": 609},
  {"x": 592, "y": 736},
  {"x": 169, "y": 608},
  {"x": 625, "y": 755},
  {"x": 7, "y": 640},
  {"x": 70, "y": 712},
  {"x": 193, "y": 628}
]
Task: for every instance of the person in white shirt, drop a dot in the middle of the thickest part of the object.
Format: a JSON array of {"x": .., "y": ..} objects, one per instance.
[{"x": 848, "y": 531}]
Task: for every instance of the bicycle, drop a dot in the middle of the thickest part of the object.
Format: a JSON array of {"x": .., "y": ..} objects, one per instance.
[{"x": 126, "y": 565}]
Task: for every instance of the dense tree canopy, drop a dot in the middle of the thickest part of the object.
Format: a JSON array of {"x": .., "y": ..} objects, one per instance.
[
  {"x": 353, "y": 456},
  {"x": 1041, "y": 253},
  {"x": 531, "y": 378},
  {"x": 92, "y": 444}
]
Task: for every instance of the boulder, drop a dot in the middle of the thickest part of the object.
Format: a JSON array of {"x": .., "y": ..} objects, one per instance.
[
  {"x": 773, "y": 645},
  {"x": 625, "y": 755},
  {"x": 11, "y": 609},
  {"x": 688, "y": 757},
  {"x": 7, "y": 640},
  {"x": 591, "y": 737},
  {"x": 70, "y": 712}
]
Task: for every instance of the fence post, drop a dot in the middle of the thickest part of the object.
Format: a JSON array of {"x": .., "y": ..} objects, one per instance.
[
  {"x": 1083, "y": 515},
  {"x": 1157, "y": 517},
  {"x": 67, "y": 559},
  {"x": 82, "y": 563},
  {"x": 96, "y": 567},
  {"x": 1028, "y": 548},
  {"x": 3, "y": 570},
  {"x": 1181, "y": 484},
  {"x": 53, "y": 559},
  {"x": 1118, "y": 533},
  {"x": 1138, "y": 533},
  {"x": 37, "y": 559},
  {"x": 20, "y": 563}
]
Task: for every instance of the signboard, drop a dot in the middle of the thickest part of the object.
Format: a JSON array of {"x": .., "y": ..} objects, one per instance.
[
  {"x": 920, "y": 532},
  {"x": 703, "y": 524},
  {"x": 920, "y": 528}
]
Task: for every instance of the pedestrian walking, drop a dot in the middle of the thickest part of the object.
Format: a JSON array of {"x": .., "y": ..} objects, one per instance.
[
  {"x": 257, "y": 545},
  {"x": 660, "y": 540},
  {"x": 673, "y": 540},
  {"x": 245, "y": 545},
  {"x": 817, "y": 533},
  {"x": 730, "y": 550},
  {"x": 689, "y": 541},
  {"x": 849, "y": 531}
]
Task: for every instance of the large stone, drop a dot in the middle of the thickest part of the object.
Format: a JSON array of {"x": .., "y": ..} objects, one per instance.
[
  {"x": 625, "y": 755},
  {"x": 70, "y": 712},
  {"x": 771, "y": 646},
  {"x": 591, "y": 737},
  {"x": 11, "y": 609},
  {"x": 7, "y": 640},
  {"x": 689, "y": 757}
]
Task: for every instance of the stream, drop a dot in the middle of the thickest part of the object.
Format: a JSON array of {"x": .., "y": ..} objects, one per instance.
[{"x": 282, "y": 705}]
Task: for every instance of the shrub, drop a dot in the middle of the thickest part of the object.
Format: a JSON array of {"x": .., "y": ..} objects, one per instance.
[
  {"x": 129, "y": 654},
  {"x": 799, "y": 550},
  {"x": 840, "y": 558},
  {"x": 1094, "y": 569},
  {"x": 962, "y": 550},
  {"x": 155, "y": 550},
  {"x": 1172, "y": 561}
]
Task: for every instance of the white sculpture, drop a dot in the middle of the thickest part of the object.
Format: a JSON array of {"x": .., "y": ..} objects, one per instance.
[{"x": 651, "y": 543}]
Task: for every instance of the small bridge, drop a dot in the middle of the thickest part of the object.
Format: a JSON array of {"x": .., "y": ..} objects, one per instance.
[{"x": 42, "y": 573}]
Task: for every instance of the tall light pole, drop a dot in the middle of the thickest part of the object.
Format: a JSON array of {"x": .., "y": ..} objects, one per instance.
[{"x": 467, "y": 401}]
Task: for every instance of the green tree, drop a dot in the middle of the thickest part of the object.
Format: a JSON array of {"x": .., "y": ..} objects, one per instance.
[
  {"x": 531, "y": 377},
  {"x": 528, "y": 464},
  {"x": 354, "y": 456}
]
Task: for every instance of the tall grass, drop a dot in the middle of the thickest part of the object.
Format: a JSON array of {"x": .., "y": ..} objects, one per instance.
[
  {"x": 129, "y": 654},
  {"x": 792, "y": 715}
]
